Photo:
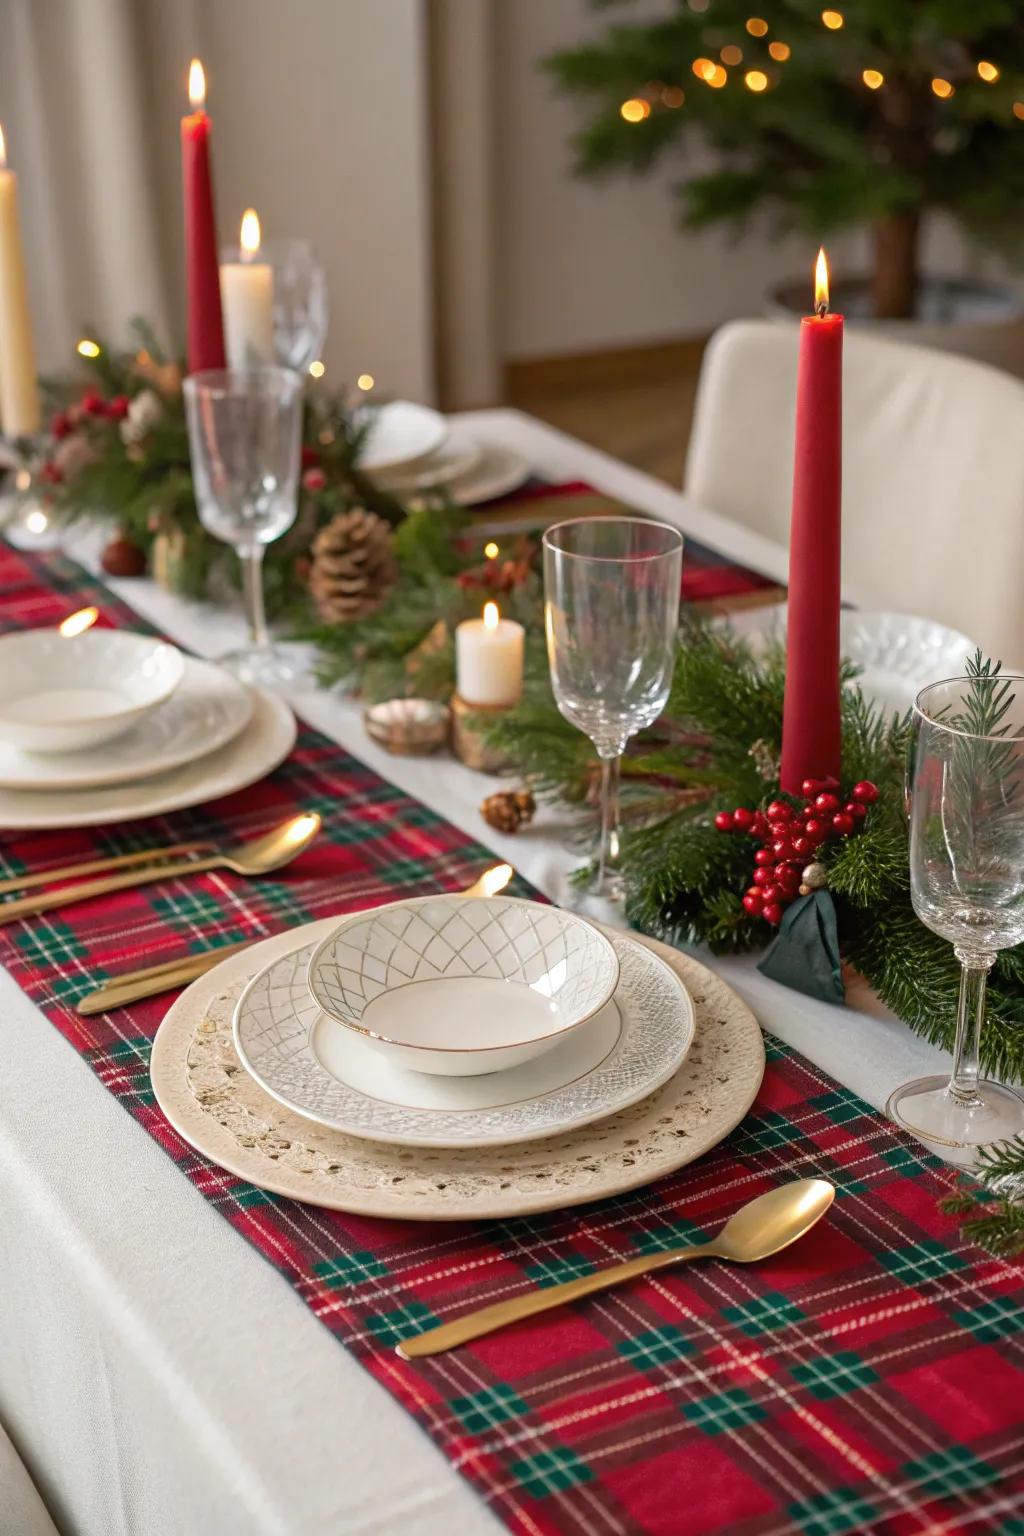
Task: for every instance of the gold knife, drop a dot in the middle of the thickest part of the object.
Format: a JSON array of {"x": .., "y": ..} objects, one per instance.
[{"x": 151, "y": 979}]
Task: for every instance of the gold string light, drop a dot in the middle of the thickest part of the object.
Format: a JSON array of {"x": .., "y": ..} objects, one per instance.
[
  {"x": 873, "y": 78},
  {"x": 702, "y": 68},
  {"x": 757, "y": 26},
  {"x": 731, "y": 55},
  {"x": 755, "y": 80},
  {"x": 780, "y": 52},
  {"x": 988, "y": 72},
  {"x": 717, "y": 77},
  {"x": 87, "y": 348},
  {"x": 942, "y": 88},
  {"x": 833, "y": 20},
  {"x": 635, "y": 109},
  {"x": 1018, "y": 110},
  {"x": 673, "y": 96}
]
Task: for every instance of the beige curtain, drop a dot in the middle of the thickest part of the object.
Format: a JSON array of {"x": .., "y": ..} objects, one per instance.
[{"x": 75, "y": 101}]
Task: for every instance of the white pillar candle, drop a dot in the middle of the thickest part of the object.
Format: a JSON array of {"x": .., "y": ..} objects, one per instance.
[
  {"x": 489, "y": 659},
  {"x": 247, "y": 299},
  {"x": 19, "y": 391}
]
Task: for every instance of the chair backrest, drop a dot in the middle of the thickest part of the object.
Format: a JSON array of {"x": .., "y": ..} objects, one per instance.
[{"x": 933, "y": 471}]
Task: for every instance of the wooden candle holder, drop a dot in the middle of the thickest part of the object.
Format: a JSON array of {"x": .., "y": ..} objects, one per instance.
[{"x": 468, "y": 742}]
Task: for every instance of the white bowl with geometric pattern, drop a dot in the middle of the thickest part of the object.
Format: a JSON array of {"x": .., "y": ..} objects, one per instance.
[{"x": 461, "y": 985}]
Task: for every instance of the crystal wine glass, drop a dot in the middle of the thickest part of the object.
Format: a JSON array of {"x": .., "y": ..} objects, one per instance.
[
  {"x": 967, "y": 884},
  {"x": 244, "y": 430},
  {"x": 300, "y": 302},
  {"x": 611, "y": 612}
]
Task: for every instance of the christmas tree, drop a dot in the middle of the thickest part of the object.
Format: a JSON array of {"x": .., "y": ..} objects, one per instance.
[{"x": 881, "y": 114}]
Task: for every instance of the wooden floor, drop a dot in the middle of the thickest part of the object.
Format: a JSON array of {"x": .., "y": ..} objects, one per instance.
[{"x": 636, "y": 404}]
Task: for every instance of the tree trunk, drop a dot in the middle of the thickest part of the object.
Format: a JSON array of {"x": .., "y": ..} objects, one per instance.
[{"x": 894, "y": 287}]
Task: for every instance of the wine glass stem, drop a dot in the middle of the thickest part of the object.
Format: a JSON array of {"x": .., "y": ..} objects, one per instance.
[
  {"x": 974, "y": 969},
  {"x": 608, "y": 857},
  {"x": 252, "y": 595}
]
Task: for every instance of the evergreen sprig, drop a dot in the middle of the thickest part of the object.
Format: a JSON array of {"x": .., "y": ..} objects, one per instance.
[{"x": 995, "y": 1213}]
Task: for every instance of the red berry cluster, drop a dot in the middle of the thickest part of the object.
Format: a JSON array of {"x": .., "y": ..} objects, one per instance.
[
  {"x": 791, "y": 835},
  {"x": 90, "y": 406}
]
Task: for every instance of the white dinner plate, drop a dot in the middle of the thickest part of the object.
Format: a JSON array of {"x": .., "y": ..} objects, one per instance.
[
  {"x": 254, "y": 752},
  {"x": 319, "y": 1069},
  {"x": 498, "y": 472},
  {"x": 898, "y": 654},
  {"x": 401, "y": 433},
  {"x": 207, "y": 709},
  {"x": 454, "y": 459}
]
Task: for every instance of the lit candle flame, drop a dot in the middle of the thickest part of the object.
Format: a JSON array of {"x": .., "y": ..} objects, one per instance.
[
  {"x": 3, "y": 148},
  {"x": 78, "y": 623},
  {"x": 821, "y": 284},
  {"x": 196, "y": 85},
  {"x": 249, "y": 239},
  {"x": 491, "y": 615}
]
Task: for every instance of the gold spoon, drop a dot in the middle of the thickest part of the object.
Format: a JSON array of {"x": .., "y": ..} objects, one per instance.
[
  {"x": 259, "y": 857},
  {"x": 758, "y": 1229}
]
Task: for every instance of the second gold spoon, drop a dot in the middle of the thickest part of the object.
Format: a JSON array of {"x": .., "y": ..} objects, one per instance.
[{"x": 757, "y": 1230}]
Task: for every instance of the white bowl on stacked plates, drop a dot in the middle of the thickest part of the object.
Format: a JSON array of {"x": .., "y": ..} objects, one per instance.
[
  {"x": 463, "y": 985},
  {"x": 65, "y": 693}
]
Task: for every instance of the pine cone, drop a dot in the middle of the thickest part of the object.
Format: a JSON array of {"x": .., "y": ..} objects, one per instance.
[
  {"x": 509, "y": 809},
  {"x": 353, "y": 566}
]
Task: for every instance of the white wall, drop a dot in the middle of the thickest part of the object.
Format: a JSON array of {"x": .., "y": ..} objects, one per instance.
[{"x": 585, "y": 264}]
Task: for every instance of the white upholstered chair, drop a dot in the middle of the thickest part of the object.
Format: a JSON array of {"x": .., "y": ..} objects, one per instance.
[
  {"x": 22, "y": 1511},
  {"x": 933, "y": 472}
]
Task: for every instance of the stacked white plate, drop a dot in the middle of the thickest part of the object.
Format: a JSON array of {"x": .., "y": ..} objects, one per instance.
[
  {"x": 410, "y": 451},
  {"x": 457, "y": 1021},
  {"x": 158, "y": 730}
]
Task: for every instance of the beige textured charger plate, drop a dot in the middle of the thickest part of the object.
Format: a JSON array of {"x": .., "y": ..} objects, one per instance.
[{"x": 212, "y": 1102}]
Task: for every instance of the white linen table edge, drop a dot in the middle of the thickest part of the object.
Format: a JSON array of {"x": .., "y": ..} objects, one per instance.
[{"x": 198, "y": 1301}]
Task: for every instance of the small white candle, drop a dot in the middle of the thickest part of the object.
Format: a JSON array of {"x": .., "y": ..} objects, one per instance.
[
  {"x": 247, "y": 298},
  {"x": 19, "y": 391},
  {"x": 489, "y": 659}
]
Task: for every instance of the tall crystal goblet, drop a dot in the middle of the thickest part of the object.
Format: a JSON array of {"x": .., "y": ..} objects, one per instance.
[
  {"x": 611, "y": 614},
  {"x": 244, "y": 429},
  {"x": 300, "y": 303},
  {"x": 966, "y": 786}
]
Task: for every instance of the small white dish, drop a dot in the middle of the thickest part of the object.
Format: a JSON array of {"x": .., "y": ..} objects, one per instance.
[
  {"x": 208, "y": 709},
  {"x": 459, "y": 985},
  {"x": 64, "y": 694},
  {"x": 400, "y": 434},
  {"x": 250, "y": 756},
  {"x": 331, "y": 1076}
]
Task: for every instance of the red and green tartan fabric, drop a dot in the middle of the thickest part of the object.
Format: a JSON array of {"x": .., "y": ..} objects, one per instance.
[{"x": 868, "y": 1380}]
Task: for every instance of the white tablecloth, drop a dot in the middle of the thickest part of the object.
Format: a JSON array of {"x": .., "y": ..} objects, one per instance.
[{"x": 156, "y": 1375}]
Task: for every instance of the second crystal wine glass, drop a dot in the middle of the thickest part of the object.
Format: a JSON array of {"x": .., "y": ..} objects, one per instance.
[
  {"x": 244, "y": 429},
  {"x": 611, "y": 612},
  {"x": 967, "y": 884}
]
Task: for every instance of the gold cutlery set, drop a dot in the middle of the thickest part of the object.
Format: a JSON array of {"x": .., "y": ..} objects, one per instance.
[{"x": 758, "y": 1230}]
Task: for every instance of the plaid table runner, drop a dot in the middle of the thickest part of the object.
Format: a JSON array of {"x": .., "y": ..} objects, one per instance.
[{"x": 867, "y": 1380}]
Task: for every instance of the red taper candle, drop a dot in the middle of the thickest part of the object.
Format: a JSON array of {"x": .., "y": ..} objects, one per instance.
[
  {"x": 811, "y": 733},
  {"x": 202, "y": 268}
]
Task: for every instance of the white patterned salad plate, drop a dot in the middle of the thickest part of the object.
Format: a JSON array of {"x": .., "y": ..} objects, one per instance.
[
  {"x": 896, "y": 654},
  {"x": 327, "y": 1074},
  {"x": 401, "y": 433},
  {"x": 207, "y": 709},
  {"x": 251, "y": 755},
  {"x": 462, "y": 985},
  {"x": 65, "y": 693},
  {"x": 498, "y": 472}
]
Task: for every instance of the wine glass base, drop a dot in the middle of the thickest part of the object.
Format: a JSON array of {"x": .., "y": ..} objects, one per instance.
[
  {"x": 927, "y": 1109},
  {"x": 266, "y": 666}
]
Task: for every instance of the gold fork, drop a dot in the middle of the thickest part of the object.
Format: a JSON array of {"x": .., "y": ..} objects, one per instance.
[{"x": 29, "y": 882}]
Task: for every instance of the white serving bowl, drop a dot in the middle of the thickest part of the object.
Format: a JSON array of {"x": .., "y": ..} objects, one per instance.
[
  {"x": 459, "y": 985},
  {"x": 62, "y": 694}
]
